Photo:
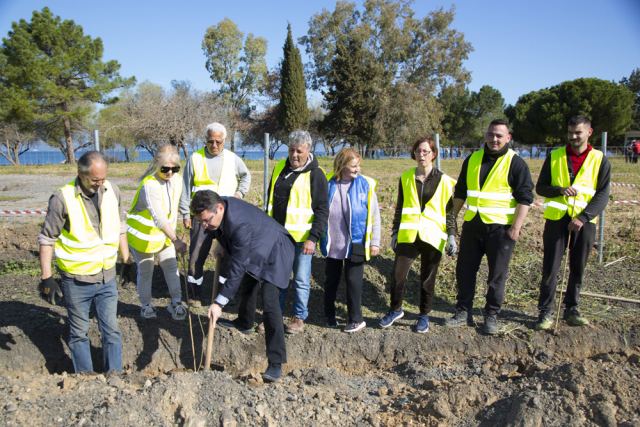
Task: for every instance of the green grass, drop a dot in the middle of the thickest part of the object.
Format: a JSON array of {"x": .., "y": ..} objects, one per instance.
[{"x": 11, "y": 198}]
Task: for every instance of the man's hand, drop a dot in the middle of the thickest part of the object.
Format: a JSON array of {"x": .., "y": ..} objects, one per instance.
[
  {"x": 375, "y": 250},
  {"x": 181, "y": 247},
  {"x": 49, "y": 290},
  {"x": 569, "y": 192},
  {"x": 575, "y": 225},
  {"x": 215, "y": 311},
  {"x": 238, "y": 195},
  {"x": 514, "y": 233},
  {"x": 309, "y": 247},
  {"x": 128, "y": 273},
  {"x": 186, "y": 221},
  {"x": 451, "y": 247}
]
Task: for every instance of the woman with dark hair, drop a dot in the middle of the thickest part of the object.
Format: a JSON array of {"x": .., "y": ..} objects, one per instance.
[
  {"x": 423, "y": 225},
  {"x": 151, "y": 229},
  {"x": 352, "y": 235}
]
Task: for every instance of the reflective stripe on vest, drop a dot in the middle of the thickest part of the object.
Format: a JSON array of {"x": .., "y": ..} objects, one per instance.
[
  {"x": 360, "y": 226},
  {"x": 299, "y": 216},
  {"x": 202, "y": 181},
  {"x": 80, "y": 250},
  {"x": 429, "y": 224},
  {"x": 494, "y": 202},
  {"x": 142, "y": 233},
  {"x": 585, "y": 182}
]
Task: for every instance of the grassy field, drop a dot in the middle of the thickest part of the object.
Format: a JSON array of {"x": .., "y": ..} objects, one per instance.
[{"x": 622, "y": 238}]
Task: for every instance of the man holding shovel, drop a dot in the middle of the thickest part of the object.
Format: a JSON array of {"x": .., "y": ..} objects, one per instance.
[
  {"x": 575, "y": 183},
  {"x": 259, "y": 251}
]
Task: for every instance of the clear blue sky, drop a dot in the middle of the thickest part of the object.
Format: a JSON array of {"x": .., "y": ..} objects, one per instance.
[{"x": 519, "y": 45}]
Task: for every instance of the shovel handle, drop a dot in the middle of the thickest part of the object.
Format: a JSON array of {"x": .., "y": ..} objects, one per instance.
[{"x": 212, "y": 326}]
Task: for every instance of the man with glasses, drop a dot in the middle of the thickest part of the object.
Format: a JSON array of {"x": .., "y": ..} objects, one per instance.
[
  {"x": 496, "y": 185},
  {"x": 260, "y": 255},
  {"x": 210, "y": 168}
]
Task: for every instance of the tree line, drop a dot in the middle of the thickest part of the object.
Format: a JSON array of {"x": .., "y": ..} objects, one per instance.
[{"x": 386, "y": 76}]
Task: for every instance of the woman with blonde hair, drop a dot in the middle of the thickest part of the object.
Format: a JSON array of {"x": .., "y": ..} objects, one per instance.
[
  {"x": 352, "y": 235},
  {"x": 151, "y": 229}
]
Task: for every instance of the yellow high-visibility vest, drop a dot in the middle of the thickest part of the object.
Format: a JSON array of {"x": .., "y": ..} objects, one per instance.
[
  {"x": 299, "y": 216},
  {"x": 228, "y": 183},
  {"x": 430, "y": 223},
  {"x": 585, "y": 182},
  {"x": 494, "y": 201},
  {"x": 81, "y": 250},
  {"x": 142, "y": 233}
]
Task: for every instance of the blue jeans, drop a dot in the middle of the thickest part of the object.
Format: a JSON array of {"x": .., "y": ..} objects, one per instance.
[
  {"x": 78, "y": 297},
  {"x": 301, "y": 283}
]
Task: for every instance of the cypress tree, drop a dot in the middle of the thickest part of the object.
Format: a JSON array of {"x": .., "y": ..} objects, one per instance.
[{"x": 293, "y": 112}]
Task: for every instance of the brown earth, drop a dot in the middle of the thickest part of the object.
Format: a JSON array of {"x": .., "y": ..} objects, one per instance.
[
  {"x": 578, "y": 376},
  {"x": 587, "y": 376}
]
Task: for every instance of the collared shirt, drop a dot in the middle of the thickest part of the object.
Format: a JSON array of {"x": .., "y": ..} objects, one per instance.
[{"x": 57, "y": 219}]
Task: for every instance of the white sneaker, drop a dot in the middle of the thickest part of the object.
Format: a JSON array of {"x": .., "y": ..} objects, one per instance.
[
  {"x": 177, "y": 311},
  {"x": 147, "y": 312}
]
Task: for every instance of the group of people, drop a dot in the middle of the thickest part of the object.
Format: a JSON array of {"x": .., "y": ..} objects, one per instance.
[{"x": 272, "y": 251}]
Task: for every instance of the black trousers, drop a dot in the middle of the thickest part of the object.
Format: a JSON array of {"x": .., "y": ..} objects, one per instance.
[
  {"x": 353, "y": 272},
  {"x": 479, "y": 239},
  {"x": 556, "y": 239},
  {"x": 430, "y": 258},
  {"x": 199, "y": 248},
  {"x": 272, "y": 315}
]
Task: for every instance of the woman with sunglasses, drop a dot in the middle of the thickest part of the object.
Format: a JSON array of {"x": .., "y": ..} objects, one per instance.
[
  {"x": 151, "y": 229},
  {"x": 423, "y": 225}
]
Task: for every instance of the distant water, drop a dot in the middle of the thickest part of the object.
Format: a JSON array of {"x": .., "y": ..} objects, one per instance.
[{"x": 52, "y": 157}]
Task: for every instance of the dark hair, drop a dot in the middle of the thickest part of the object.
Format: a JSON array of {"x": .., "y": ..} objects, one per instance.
[
  {"x": 204, "y": 200},
  {"x": 500, "y": 122},
  {"x": 578, "y": 120},
  {"x": 87, "y": 159},
  {"x": 432, "y": 145}
]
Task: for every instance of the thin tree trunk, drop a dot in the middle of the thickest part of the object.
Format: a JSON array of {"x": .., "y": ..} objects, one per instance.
[{"x": 69, "y": 153}]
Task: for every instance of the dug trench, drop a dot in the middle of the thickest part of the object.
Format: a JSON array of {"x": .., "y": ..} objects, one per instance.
[
  {"x": 579, "y": 376},
  {"x": 587, "y": 376}
]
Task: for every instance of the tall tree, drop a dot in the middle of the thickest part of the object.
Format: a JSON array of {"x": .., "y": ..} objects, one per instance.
[
  {"x": 541, "y": 116},
  {"x": 417, "y": 56},
  {"x": 293, "y": 112},
  {"x": 237, "y": 64},
  {"x": 351, "y": 100},
  {"x": 467, "y": 113},
  {"x": 53, "y": 71},
  {"x": 633, "y": 84}
]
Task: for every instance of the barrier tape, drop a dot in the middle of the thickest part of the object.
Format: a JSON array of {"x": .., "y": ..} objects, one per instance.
[
  {"x": 539, "y": 203},
  {"x": 14, "y": 212},
  {"x": 623, "y": 184}
]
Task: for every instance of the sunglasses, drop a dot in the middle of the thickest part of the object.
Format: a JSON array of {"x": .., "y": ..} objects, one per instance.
[
  {"x": 167, "y": 169},
  {"x": 213, "y": 141}
]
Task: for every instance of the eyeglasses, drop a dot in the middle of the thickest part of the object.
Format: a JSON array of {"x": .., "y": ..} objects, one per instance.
[
  {"x": 167, "y": 169},
  {"x": 213, "y": 141}
]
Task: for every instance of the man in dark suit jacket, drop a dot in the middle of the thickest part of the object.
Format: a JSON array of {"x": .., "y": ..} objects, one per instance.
[{"x": 258, "y": 250}]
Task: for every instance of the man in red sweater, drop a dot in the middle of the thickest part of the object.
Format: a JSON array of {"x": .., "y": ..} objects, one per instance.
[{"x": 575, "y": 183}]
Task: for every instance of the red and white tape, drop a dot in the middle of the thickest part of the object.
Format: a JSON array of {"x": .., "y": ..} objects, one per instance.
[
  {"x": 539, "y": 203},
  {"x": 623, "y": 184},
  {"x": 15, "y": 212}
]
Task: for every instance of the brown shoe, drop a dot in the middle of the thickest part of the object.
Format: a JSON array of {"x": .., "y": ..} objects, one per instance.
[{"x": 295, "y": 326}]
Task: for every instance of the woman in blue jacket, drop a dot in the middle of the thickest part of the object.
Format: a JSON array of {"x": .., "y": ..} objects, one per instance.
[{"x": 352, "y": 235}]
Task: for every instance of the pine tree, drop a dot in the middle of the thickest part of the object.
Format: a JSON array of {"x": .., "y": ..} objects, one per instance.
[{"x": 293, "y": 112}]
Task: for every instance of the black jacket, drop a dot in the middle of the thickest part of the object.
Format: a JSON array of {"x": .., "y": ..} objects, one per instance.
[
  {"x": 519, "y": 176},
  {"x": 319, "y": 197},
  {"x": 255, "y": 244}
]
